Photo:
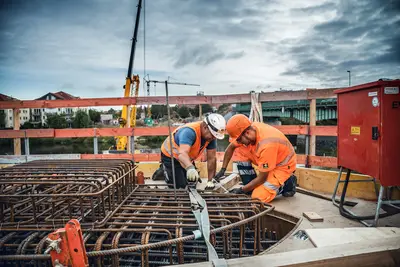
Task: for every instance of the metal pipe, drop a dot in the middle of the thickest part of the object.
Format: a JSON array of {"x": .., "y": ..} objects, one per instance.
[{"x": 170, "y": 138}]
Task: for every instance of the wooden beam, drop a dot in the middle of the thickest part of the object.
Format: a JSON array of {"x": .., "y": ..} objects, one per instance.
[
  {"x": 160, "y": 100},
  {"x": 91, "y": 132},
  {"x": 322, "y": 161},
  {"x": 323, "y": 130},
  {"x": 313, "y": 122},
  {"x": 83, "y": 102},
  {"x": 106, "y": 156},
  {"x": 292, "y": 129},
  {"x": 16, "y": 125},
  {"x": 144, "y": 131},
  {"x": 152, "y": 131},
  {"x": 324, "y": 181},
  {"x": 30, "y": 133}
]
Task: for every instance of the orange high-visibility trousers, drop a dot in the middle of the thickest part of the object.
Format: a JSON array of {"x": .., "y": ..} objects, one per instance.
[{"x": 267, "y": 191}]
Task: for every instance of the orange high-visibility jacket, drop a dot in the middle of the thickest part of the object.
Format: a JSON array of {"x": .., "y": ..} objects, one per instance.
[
  {"x": 272, "y": 151},
  {"x": 194, "y": 151}
]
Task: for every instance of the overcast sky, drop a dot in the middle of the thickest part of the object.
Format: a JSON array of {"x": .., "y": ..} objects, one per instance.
[{"x": 226, "y": 46}]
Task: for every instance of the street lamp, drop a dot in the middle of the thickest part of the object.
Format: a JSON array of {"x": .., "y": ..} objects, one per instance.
[{"x": 349, "y": 77}]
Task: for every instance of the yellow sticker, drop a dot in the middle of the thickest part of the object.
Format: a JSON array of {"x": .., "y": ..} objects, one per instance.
[{"x": 355, "y": 130}]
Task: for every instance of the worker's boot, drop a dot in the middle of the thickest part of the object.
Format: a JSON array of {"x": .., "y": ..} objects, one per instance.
[
  {"x": 158, "y": 175},
  {"x": 289, "y": 187}
]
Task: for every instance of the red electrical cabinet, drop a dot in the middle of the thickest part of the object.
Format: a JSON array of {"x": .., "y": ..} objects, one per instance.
[{"x": 369, "y": 130}]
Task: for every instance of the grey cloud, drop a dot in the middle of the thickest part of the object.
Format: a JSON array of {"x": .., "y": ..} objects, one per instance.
[
  {"x": 332, "y": 26},
  {"x": 313, "y": 9},
  {"x": 235, "y": 55},
  {"x": 199, "y": 55},
  {"x": 363, "y": 38}
]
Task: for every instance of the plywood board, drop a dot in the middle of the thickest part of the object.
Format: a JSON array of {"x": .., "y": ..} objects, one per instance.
[
  {"x": 336, "y": 236},
  {"x": 313, "y": 216}
]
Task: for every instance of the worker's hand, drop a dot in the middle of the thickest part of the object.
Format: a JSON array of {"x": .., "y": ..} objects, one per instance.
[
  {"x": 221, "y": 173},
  {"x": 191, "y": 174},
  {"x": 237, "y": 191},
  {"x": 210, "y": 185}
]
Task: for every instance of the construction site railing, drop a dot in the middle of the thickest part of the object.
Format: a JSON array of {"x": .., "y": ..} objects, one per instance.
[{"x": 310, "y": 131}]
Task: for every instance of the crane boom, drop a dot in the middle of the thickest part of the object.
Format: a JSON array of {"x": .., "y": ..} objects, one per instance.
[{"x": 130, "y": 80}]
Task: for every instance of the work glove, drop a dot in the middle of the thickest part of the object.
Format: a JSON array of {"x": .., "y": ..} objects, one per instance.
[
  {"x": 191, "y": 174},
  {"x": 219, "y": 175},
  {"x": 210, "y": 185},
  {"x": 237, "y": 191}
]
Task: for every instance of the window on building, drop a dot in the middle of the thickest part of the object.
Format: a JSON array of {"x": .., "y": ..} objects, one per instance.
[{"x": 10, "y": 118}]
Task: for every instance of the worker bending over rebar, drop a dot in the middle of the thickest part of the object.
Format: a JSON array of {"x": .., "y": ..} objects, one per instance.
[
  {"x": 268, "y": 149},
  {"x": 188, "y": 143}
]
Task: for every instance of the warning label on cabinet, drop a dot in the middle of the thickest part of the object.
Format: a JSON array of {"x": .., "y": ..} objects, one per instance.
[{"x": 355, "y": 130}]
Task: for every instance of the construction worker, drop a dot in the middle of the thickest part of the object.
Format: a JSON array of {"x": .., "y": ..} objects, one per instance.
[
  {"x": 268, "y": 149},
  {"x": 188, "y": 143}
]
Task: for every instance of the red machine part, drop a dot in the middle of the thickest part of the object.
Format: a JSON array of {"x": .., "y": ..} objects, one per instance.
[
  {"x": 369, "y": 130},
  {"x": 66, "y": 246}
]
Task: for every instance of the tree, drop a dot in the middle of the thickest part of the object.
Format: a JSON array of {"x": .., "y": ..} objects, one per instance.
[
  {"x": 28, "y": 125},
  {"x": 94, "y": 115},
  {"x": 56, "y": 121},
  {"x": 183, "y": 112},
  {"x": 205, "y": 108},
  {"x": 81, "y": 120},
  {"x": 2, "y": 119},
  {"x": 158, "y": 111}
]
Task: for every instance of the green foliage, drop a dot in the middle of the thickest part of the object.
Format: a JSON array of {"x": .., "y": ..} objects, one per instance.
[
  {"x": 56, "y": 121},
  {"x": 158, "y": 111},
  {"x": 28, "y": 125},
  {"x": 183, "y": 111},
  {"x": 94, "y": 115},
  {"x": 223, "y": 108},
  {"x": 2, "y": 119},
  {"x": 81, "y": 120},
  {"x": 205, "y": 108}
]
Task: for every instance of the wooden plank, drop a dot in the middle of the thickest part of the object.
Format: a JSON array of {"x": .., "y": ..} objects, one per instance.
[
  {"x": 106, "y": 156},
  {"x": 322, "y": 161},
  {"x": 160, "y": 100},
  {"x": 227, "y": 183},
  {"x": 323, "y": 130},
  {"x": 141, "y": 131},
  {"x": 83, "y": 102},
  {"x": 324, "y": 181},
  {"x": 336, "y": 236},
  {"x": 152, "y": 131},
  {"x": 30, "y": 133},
  {"x": 292, "y": 129},
  {"x": 114, "y": 131},
  {"x": 91, "y": 132},
  {"x": 313, "y": 122},
  {"x": 301, "y": 159},
  {"x": 313, "y": 216}
]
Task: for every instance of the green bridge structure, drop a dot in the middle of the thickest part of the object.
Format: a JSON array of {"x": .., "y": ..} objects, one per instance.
[{"x": 298, "y": 109}]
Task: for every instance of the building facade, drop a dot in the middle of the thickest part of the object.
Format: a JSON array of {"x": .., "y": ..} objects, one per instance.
[{"x": 38, "y": 115}]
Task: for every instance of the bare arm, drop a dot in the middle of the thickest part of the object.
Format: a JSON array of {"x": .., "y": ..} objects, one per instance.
[
  {"x": 183, "y": 156},
  {"x": 260, "y": 179},
  {"x": 228, "y": 155},
  {"x": 211, "y": 163}
]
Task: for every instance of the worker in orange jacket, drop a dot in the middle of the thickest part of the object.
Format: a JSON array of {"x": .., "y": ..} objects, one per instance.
[
  {"x": 188, "y": 143},
  {"x": 268, "y": 149}
]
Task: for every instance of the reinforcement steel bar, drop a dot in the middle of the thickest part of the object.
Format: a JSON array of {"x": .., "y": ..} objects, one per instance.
[
  {"x": 150, "y": 228},
  {"x": 49, "y": 193}
]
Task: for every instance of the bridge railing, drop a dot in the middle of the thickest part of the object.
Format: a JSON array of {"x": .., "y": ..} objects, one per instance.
[{"x": 310, "y": 131}]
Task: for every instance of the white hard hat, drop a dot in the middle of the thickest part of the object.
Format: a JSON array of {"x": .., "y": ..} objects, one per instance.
[{"x": 216, "y": 124}]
